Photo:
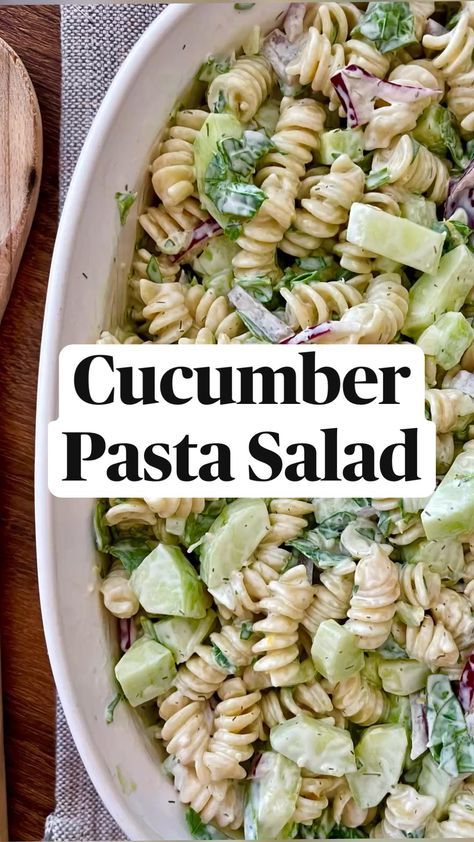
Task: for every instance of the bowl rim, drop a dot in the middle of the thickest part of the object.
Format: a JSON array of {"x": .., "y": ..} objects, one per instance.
[{"x": 46, "y": 410}]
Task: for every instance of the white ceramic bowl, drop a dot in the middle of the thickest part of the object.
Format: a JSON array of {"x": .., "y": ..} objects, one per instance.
[{"x": 86, "y": 286}]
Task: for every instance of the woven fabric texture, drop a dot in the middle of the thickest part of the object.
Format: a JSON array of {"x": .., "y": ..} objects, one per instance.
[{"x": 94, "y": 42}]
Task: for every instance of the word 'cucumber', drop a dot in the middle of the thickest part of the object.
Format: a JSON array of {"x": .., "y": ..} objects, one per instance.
[{"x": 398, "y": 239}]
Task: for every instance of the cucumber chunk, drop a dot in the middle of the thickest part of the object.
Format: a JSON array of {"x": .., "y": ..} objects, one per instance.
[
  {"x": 380, "y": 756},
  {"x": 314, "y": 745},
  {"x": 335, "y": 652},
  {"x": 145, "y": 671},
  {"x": 231, "y": 540},
  {"x": 450, "y": 511},
  {"x": 443, "y": 557},
  {"x": 341, "y": 142},
  {"x": 402, "y": 677},
  {"x": 271, "y": 796},
  {"x": 447, "y": 339},
  {"x": 394, "y": 237},
  {"x": 167, "y": 583},
  {"x": 437, "y": 293},
  {"x": 215, "y": 128},
  {"x": 436, "y": 782},
  {"x": 420, "y": 210},
  {"x": 181, "y": 636}
]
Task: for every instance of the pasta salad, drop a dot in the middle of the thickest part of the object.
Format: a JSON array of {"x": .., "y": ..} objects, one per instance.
[{"x": 307, "y": 665}]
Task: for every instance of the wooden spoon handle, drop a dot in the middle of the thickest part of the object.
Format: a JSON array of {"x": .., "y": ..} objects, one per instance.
[{"x": 20, "y": 164}]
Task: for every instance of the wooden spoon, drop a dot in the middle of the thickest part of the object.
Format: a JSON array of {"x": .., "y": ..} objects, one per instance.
[{"x": 21, "y": 155}]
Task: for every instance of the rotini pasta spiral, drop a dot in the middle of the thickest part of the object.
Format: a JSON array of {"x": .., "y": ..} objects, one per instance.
[
  {"x": 296, "y": 138},
  {"x": 414, "y": 167},
  {"x": 315, "y": 64},
  {"x": 179, "y": 507},
  {"x": 450, "y": 409},
  {"x": 237, "y": 726},
  {"x": 360, "y": 701},
  {"x": 335, "y": 20},
  {"x": 221, "y": 803},
  {"x": 381, "y": 315},
  {"x": 173, "y": 173},
  {"x": 285, "y": 608},
  {"x": 406, "y": 811},
  {"x": 326, "y": 207},
  {"x": 313, "y": 303},
  {"x": 421, "y": 10},
  {"x": 262, "y": 234},
  {"x": 374, "y": 598},
  {"x": 131, "y": 512},
  {"x": 213, "y": 313},
  {"x": 331, "y": 597},
  {"x": 460, "y": 821},
  {"x": 453, "y": 610},
  {"x": 346, "y": 811},
  {"x": 118, "y": 596},
  {"x": 200, "y": 677},
  {"x": 419, "y": 586},
  {"x": 236, "y": 649},
  {"x": 365, "y": 55},
  {"x": 170, "y": 227},
  {"x": 279, "y": 705},
  {"x": 454, "y": 59},
  {"x": 165, "y": 311},
  {"x": 431, "y": 643},
  {"x": 312, "y": 797},
  {"x": 286, "y": 521},
  {"x": 389, "y": 121},
  {"x": 187, "y": 727},
  {"x": 243, "y": 88}
]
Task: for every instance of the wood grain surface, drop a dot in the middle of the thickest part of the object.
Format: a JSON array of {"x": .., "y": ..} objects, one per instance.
[
  {"x": 21, "y": 159},
  {"x": 33, "y": 32}
]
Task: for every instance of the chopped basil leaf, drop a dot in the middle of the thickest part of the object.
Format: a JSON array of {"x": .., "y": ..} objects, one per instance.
[
  {"x": 236, "y": 198},
  {"x": 243, "y": 7},
  {"x": 390, "y": 25},
  {"x": 102, "y": 532},
  {"x": 221, "y": 660},
  {"x": 246, "y": 630},
  {"x": 322, "y": 558},
  {"x": 198, "y": 829},
  {"x": 131, "y": 550},
  {"x": 376, "y": 179},
  {"x": 124, "y": 202},
  {"x": 213, "y": 67},
  {"x": 259, "y": 288},
  {"x": 110, "y": 709},
  {"x": 153, "y": 270},
  {"x": 385, "y": 524},
  {"x": 220, "y": 103},
  {"x": 333, "y": 526}
]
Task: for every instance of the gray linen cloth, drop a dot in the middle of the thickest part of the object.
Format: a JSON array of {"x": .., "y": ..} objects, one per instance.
[{"x": 95, "y": 40}]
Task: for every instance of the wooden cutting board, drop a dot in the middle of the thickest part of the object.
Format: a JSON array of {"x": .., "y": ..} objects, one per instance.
[{"x": 21, "y": 154}]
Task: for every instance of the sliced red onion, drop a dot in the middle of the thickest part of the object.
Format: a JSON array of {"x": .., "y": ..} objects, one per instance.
[
  {"x": 280, "y": 51},
  {"x": 357, "y": 90},
  {"x": 293, "y": 22},
  {"x": 464, "y": 381},
  {"x": 197, "y": 237},
  {"x": 258, "y": 769},
  {"x": 258, "y": 319},
  {"x": 126, "y": 633},
  {"x": 309, "y": 334},
  {"x": 419, "y": 725},
  {"x": 466, "y": 686},
  {"x": 432, "y": 27},
  {"x": 461, "y": 195}
]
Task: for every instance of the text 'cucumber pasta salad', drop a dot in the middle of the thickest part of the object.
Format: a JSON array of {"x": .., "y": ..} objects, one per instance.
[{"x": 307, "y": 665}]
